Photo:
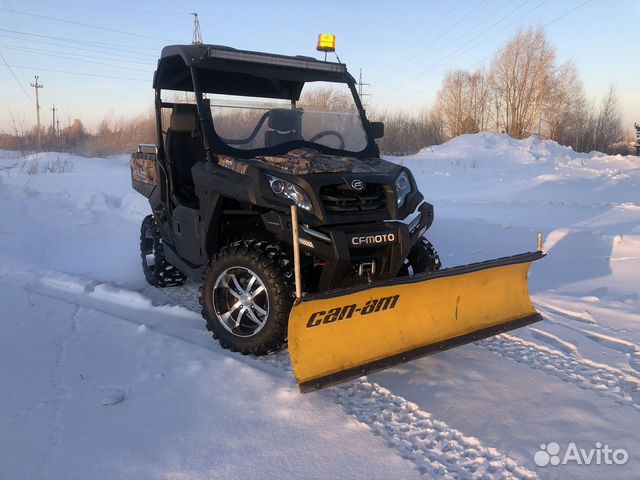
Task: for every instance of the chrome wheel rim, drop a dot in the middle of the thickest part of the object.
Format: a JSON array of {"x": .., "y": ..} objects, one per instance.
[{"x": 240, "y": 301}]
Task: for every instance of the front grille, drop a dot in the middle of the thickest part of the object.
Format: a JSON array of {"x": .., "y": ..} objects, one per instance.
[{"x": 342, "y": 199}]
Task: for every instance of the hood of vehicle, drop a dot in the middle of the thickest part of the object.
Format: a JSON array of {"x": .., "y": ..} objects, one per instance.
[{"x": 303, "y": 161}]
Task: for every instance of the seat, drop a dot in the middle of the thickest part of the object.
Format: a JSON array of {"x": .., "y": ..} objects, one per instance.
[
  {"x": 184, "y": 150},
  {"x": 285, "y": 126}
]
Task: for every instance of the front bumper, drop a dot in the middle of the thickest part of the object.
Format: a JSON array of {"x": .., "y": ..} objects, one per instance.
[{"x": 343, "y": 248}]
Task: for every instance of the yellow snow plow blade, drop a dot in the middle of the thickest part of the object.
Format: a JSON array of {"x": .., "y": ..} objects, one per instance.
[{"x": 347, "y": 333}]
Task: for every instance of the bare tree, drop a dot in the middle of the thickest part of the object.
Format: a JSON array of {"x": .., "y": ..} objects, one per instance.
[
  {"x": 522, "y": 77},
  {"x": 608, "y": 124},
  {"x": 463, "y": 102},
  {"x": 406, "y": 134},
  {"x": 565, "y": 111},
  {"x": 328, "y": 99},
  {"x": 23, "y": 140}
]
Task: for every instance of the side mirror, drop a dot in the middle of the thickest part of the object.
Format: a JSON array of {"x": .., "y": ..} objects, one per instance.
[{"x": 378, "y": 129}]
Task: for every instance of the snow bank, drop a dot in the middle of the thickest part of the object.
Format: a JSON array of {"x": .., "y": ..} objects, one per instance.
[{"x": 489, "y": 166}]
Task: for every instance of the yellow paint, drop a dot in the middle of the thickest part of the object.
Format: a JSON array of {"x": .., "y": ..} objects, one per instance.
[{"x": 426, "y": 312}]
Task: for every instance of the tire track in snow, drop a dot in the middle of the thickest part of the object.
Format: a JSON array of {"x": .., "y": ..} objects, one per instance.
[
  {"x": 62, "y": 392},
  {"x": 606, "y": 381},
  {"x": 436, "y": 449},
  {"x": 609, "y": 339},
  {"x": 550, "y": 312},
  {"x": 554, "y": 341},
  {"x": 629, "y": 349},
  {"x": 582, "y": 317}
]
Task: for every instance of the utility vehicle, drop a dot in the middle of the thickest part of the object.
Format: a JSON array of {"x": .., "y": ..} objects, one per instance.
[{"x": 266, "y": 185}]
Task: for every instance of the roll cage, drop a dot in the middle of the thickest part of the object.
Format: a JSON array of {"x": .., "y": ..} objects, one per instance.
[{"x": 227, "y": 71}]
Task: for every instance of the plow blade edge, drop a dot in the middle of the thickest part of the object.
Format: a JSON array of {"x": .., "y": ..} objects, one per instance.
[{"x": 344, "y": 334}]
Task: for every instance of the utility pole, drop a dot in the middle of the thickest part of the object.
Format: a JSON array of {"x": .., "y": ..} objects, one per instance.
[
  {"x": 38, "y": 86},
  {"x": 58, "y": 127},
  {"x": 197, "y": 34},
  {"x": 53, "y": 124},
  {"x": 361, "y": 90}
]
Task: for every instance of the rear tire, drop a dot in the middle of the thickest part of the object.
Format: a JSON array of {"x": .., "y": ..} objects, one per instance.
[
  {"x": 157, "y": 270},
  {"x": 246, "y": 297},
  {"x": 421, "y": 259}
]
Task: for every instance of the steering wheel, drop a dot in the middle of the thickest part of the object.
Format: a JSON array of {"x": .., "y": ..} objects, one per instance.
[
  {"x": 251, "y": 136},
  {"x": 324, "y": 133}
]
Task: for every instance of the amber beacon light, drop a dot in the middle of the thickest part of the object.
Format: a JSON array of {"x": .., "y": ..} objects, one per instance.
[{"x": 326, "y": 43}]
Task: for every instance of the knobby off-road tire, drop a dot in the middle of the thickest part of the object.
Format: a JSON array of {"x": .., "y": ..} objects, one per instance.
[
  {"x": 422, "y": 258},
  {"x": 157, "y": 270},
  {"x": 246, "y": 297}
]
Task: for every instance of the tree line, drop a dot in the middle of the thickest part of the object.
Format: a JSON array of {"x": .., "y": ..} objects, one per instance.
[{"x": 526, "y": 92}]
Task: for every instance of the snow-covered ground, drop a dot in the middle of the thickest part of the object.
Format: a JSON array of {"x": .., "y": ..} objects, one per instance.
[{"x": 102, "y": 376}]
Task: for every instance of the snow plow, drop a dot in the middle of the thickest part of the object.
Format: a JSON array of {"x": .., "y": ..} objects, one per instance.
[
  {"x": 344, "y": 334},
  {"x": 286, "y": 192}
]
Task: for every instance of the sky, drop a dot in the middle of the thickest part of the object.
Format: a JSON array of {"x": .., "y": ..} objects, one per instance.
[{"x": 96, "y": 59}]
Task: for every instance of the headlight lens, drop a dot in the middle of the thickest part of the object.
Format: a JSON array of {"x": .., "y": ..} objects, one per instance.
[
  {"x": 289, "y": 191},
  {"x": 403, "y": 188}
]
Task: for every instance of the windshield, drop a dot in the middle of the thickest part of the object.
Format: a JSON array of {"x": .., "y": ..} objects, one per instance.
[{"x": 325, "y": 115}]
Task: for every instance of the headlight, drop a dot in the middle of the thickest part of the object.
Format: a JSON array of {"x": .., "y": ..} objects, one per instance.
[
  {"x": 289, "y": 191},
  {"x": 403, "y": 188}
]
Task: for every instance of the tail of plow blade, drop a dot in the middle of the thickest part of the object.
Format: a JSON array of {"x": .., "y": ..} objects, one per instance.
[{"x": 345, "y": 334}]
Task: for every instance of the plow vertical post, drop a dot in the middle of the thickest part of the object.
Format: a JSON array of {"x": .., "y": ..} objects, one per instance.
[
  {"x": 296, "y": 251},
  {"x": 539, "y": 245}
]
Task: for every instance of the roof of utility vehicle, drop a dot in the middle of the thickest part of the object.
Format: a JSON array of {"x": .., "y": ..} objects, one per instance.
[{"x": 226, "y": 70}]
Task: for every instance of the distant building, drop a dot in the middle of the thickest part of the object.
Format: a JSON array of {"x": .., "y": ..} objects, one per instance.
[{"x": 637, "y": 145}]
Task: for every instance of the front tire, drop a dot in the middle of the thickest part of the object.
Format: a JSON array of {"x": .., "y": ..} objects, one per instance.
[
  {"x": 246, "y": 297},
  {"x": 421, "y": 259}
]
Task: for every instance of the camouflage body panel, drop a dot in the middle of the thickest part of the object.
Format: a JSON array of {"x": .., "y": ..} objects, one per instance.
[
  {"x": 143, "y": 168},
  {"x": 302, "y": 161},
  {"x": 232, "y": 163},
  {"x": 382, "y": 165}
]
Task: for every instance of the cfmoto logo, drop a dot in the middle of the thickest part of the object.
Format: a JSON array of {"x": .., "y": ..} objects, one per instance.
[
  {"x": 357, "y": 185},
  {"x": 373, "y": 239}
]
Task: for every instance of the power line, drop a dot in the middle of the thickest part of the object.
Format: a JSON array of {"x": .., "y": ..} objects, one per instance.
[
  {"x": 132, "y": 59},
  {"x": 77, "y": 58},
  {"x": 71, "y": 22},
  {"x": 112, "y": 46},
  {"x": 16, "y": 78},
  {"x": 415, "y": 77},
  {"x": 433, "y": 42},
  {"x": 81, "y": 73},
  {"x": 499, "y": 31},
  {"x": 507, "y": 26},
  {"x": 14, "y": 21},
  {"x": 484, "y": 40},
  {"x": 567, "y": 13},
  {"x": 425, "y": 33},
  {"x": 104, "y": 9},
  {"x": 467, "y": 32}
]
